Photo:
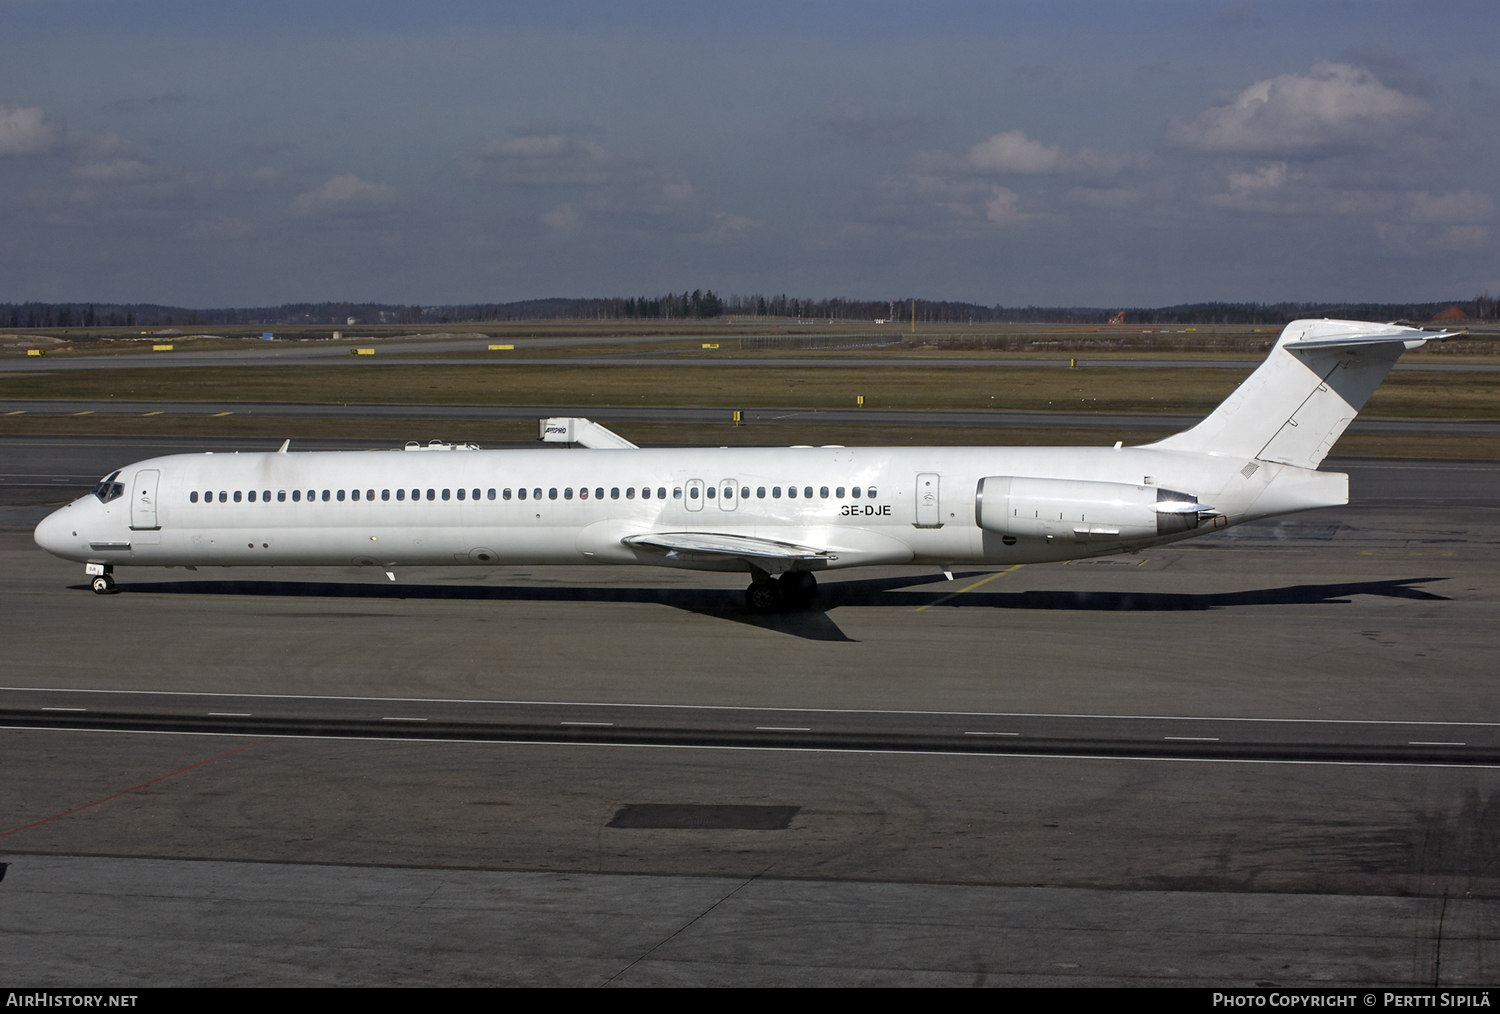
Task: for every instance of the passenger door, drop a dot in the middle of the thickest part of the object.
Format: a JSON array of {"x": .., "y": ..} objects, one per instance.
[
  {"x": 143, "y": 500},
  {"x": 929, "y": 506}
]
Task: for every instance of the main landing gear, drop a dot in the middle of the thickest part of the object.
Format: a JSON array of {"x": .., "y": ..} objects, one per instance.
[
  {"x": 101, "y": 579},
  {"x": 792, "y": 590}
]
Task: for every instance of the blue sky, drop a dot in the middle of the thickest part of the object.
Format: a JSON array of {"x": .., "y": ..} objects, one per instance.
[{"x": 1063, "y": 153}]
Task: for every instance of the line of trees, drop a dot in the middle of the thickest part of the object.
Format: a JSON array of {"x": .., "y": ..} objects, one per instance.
[{"x": 705, "y": 304}]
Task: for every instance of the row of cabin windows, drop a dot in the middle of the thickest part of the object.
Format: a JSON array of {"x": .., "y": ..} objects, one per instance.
[
  {"x": 711, "y": 492},
  {"x": 335, "y": 494}
]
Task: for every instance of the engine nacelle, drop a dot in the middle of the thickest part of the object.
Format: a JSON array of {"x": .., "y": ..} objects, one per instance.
[{"x": 1082, "y": 509}]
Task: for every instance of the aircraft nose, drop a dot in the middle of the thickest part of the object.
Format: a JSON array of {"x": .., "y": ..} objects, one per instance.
[{"x": 55, "y": 533}]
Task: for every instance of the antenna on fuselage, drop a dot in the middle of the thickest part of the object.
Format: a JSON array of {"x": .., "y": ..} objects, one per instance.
[{"x": 284, "y": 445}]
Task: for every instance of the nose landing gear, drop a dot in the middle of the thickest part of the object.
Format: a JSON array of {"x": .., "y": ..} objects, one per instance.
[{"x": 101, "y": 578}]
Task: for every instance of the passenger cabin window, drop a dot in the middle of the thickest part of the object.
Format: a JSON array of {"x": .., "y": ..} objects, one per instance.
[
  {"x": 281, "y": 496},
  {"x": 432, "y": 494},
  {"x": 236, "y": 496},
  {"x": 252, "y": 496},
  {"x": 369, "y": 494},
  {"x": 552, "y": 493},
  {"x": 645, "y": 492},
  {"x": 839, "y": 492},
  {"x": 521, "y": 493},
  {"x": 193, "y": 496},
  {"x": 614, "y": 492},
  {"x": 598, "y": 492},
  {"x": 461, "y": 495},
  {"x": 791, "y": 491},
  {"x": 353, "y": 495},
  {"x": 536, "y": 494},
  {"x": 870, "y": 493},
  {"x": 327, "y": 494},
  {"x": 854, "y": 492},
  {"x": 296, "y": 496},
  {"x": 400, "y": 494},
  {"x": 507, "y": 492},
  {"x": 385, "y": 494},
  {"x": 445, "y": 494},
  {"x": 677, "y": 493},
  {"x": 491, "y": 494},
  {"x": 745, "y": 493},
  {"x": 568, "y": 493}
]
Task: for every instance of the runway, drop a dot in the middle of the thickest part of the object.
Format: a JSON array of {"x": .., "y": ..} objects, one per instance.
[
  {"x": 1263, "y": 756},
  {"x": 854, "y": 730}
]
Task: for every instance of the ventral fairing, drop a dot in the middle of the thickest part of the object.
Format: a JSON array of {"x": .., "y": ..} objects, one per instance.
[{"x": 779, "y": 514}]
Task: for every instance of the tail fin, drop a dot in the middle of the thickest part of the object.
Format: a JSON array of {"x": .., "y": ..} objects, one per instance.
[{"x": 1311, "y": 386}]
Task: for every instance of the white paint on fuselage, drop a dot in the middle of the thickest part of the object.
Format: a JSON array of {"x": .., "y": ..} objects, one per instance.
[{"x": 392, "y": 533}]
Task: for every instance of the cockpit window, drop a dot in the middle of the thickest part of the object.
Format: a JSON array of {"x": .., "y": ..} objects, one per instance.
[{"x": 107, "y": 489}]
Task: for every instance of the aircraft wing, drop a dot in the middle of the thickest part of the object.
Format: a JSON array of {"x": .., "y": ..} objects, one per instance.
[{"x": 711, "y": 546}]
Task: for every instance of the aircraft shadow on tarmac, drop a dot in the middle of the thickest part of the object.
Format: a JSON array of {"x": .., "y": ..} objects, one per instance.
[{"x": 814, "y": 622}]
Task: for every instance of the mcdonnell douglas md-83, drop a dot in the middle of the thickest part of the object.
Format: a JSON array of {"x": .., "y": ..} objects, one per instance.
[{"x": 780, "y": 514}]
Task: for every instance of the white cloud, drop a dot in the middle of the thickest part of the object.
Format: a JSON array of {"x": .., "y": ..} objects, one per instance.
[
  {"x": 1465, "y": 206},
  {"x": 1266, "y": 177},
  {"x": 1001, "y": 207},
  {"x": 1335, "y": 106},
  {"x": 24, "y": 131},
  {"x": 540, "y": 160},
  {"x": 563, "y": 218},
  {"x": 727, "y": 225},
  {"x": 1013, "y": 152},
  {"x": 347, "y": 194}
]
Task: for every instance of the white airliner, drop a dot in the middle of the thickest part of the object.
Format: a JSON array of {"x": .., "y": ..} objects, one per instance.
[{"x": 780, "y": 514}]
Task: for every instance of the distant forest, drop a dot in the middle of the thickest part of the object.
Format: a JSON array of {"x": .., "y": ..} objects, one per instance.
[{"x": 706, "y": 305}]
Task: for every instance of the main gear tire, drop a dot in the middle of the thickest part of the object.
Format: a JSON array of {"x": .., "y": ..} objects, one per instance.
[
  {"x": 763, "y": 597},
  {"x": 798, "y": 589}
]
